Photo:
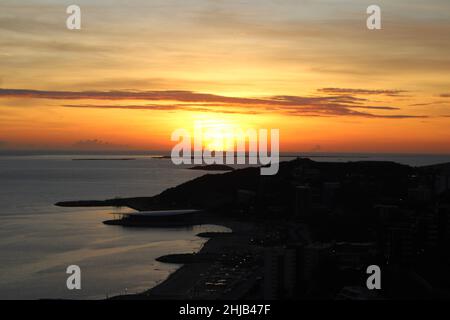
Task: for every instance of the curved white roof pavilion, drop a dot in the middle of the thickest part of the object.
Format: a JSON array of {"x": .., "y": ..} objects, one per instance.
[{"x": 161, "y": 213}]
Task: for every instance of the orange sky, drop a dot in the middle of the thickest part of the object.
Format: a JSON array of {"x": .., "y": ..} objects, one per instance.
[{"x": 138, "y": 71}]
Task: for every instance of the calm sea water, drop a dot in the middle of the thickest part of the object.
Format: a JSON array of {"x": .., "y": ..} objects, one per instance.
[{"x": 38, "y": 240}]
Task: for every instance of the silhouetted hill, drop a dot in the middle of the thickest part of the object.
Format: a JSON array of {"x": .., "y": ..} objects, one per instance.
[{"x": 362, "y": 182}]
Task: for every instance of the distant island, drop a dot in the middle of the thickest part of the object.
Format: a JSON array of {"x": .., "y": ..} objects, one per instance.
[
  {"x": 104, "y": 159},
  {"x": 213, "y": 167}
]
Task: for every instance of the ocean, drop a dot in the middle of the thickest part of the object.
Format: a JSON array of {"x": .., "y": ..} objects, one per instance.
[{"x": 38, "y": 240}]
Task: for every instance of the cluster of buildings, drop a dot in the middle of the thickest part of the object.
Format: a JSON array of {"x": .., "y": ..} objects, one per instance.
[
  {"x": 299, "y": 270},
  {"x": 359, "y": 214}
]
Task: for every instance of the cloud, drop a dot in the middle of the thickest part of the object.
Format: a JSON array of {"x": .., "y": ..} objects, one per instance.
[
  {"x": 130, "y": 107},
  {"x": 312, "y": 110},
  {"x": 97, "y": 145},
  {"x": 161, "y": 107},
  {"x": 26, "y": 24},
  {"x": 182, "y": 96},
  {"x": 423, "y": 104},
  {"x": 433, "y": 103},
  {"x": 57, "y": 46},
  {"x": 445, "y": 95},
  {"x": 362, "y": 91},
  {"x": 327, "y": 105},
  {"x": 173, "y": 95}
]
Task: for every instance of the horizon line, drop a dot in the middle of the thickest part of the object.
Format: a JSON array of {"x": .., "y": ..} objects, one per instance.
[{"x": 156, "y": 152}]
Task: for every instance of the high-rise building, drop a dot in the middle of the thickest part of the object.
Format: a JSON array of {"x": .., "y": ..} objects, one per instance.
[
  {"x": 329, "y": 192},
  {"x": 399, "y": 241},
  {"x": 443, "y": 215},
  {"x": 303, "y": 201},
  {"x": 313, "y": 255},
  {"x": 273, "y": 273},
  {"x": 354, "y": 255},
  {"x": 442, "y": 182},
  {"x": 282, "y": 271}
]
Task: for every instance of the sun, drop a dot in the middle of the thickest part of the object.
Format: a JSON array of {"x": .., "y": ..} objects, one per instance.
[{"x": 218, "y": 134}]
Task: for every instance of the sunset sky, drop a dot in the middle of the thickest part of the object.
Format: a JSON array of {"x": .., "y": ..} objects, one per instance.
[{"x": 139, "y": 69}]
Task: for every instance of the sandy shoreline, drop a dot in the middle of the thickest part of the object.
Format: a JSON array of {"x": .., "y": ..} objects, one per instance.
[{"x": 218, "y": 270}]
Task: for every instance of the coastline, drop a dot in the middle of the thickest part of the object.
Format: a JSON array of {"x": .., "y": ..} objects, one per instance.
[
  {"x": 231, "y": 266},
  {"x": 201, "y": 268}
]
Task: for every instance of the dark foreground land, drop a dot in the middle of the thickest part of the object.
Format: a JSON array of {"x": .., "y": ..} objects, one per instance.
[{"x": 311, "y": 231}]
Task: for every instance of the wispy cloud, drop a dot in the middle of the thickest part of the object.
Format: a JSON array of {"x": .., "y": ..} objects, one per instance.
[
  {"x": 324, "y": 105},
  {"x": 163, "y": 107},
  {"x": 433, "y": 103},
  {"x": 362, "y": 91}
]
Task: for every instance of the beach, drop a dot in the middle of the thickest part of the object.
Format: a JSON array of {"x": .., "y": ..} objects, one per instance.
[
  {"x": 230, "y": 265},
  {"x": 203, "y": 275}
]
